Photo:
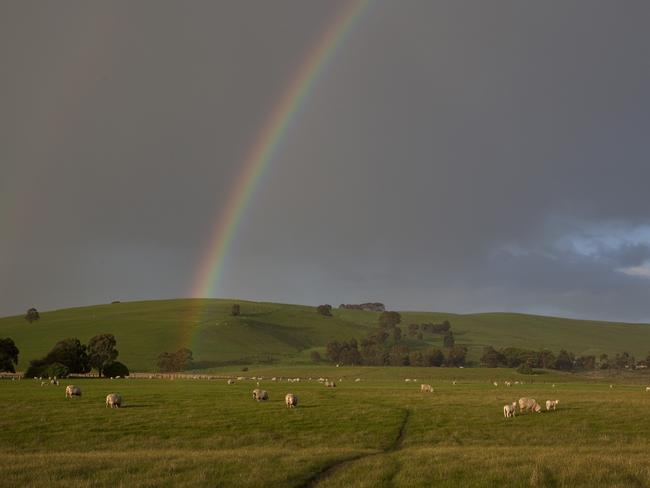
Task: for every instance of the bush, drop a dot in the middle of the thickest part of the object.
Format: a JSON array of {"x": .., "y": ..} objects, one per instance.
[
  {"x": 55, "y": 369},
  {"x": 525, "y": 369},
  {"x": 315, "y": 357},
  {"x": 116, "y": 369},
  {"x": 245, "y": 368}
]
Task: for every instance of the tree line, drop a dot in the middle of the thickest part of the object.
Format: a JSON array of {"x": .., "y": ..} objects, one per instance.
[
  {"x": 387, "y": 346},
  {"x": 513, "y": 357}
]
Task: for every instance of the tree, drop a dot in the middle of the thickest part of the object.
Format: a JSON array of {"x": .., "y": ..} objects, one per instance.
[
  {"x": 8, "y": 355},
  {"x": 456, "y": 356},
  {"x": 235, "y": 311},
  {"x": 491, "y": 358},
  {"x": 545, "y": 358},
  {"x": 603, "y": 361},
  {"x": 389, "y": 319},
  {"x": 624, "y": 360},
  {"x": 448, "y": 339},
  {"x": 325, "y": 310},
  {"x": 397, "y": 334},
  {"x": 315, "y": 357},
  {"x": 102, "y": 352},
  {"x": 32, "y": 315},
  {"x": 175, "y": 361},
  {"x": 71, "y": 353},
  {"x": 434, "y": 357},
  {"x": 414, "y": 329},
  {"x": 564, "y": 361}
]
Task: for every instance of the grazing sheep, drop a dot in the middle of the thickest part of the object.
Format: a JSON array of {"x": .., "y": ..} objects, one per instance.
[
  {"x": 72, "y": 390},
  {"x": 260, "y": 394},
  {"x": 408, "y": 380},
  {"x": 231, "y": 382},
  {"x": 647, "y": 388},
  {"x": 507, "y": 383},
  {"x": 330, "y": 384},
  {"x": 113, "y": 400},
  {"x": 426, "y": 388},
  {"x": 529, "y": 404},
  {"x": 43, "y": 383},
  {"x": 495, "y": 383},
  {"x": 510, "y": 410},
  {"x": 291, "y": 400},
  {"x": 453, "y": 382},
  {"x": 359, "y": 379},
  {"x": 551, "y": 404},
  {"x": 611, "y": 386}
]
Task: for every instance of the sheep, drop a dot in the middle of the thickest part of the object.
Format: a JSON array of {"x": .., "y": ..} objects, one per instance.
[
  {"x": 330, "y": 384},
  {"x": 408, "y": 380},
  {"x": 507, "y": 383},
  {"x": 72, "y": 390},
  {"x": 529, "y": 404},
  {"x": 260, "y": 394},
  {"x": 495, "y": 383},
  {"x": 231, "y": 382},
  {"x": 551, "y": 404},
  {"x": 453, "y": 382},
  {"x": 510, "y": 410},
  {"x": 291, "y": 400},
  {"x": 359, "y": 379},
  {"x": 426, "y": 388},
  {"x": 113, "y": 400},
  {"x": 647, "y": 388}
]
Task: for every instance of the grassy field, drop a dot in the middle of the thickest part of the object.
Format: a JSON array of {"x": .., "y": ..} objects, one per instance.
[
  {"x": 380, "y": 431},
  {"x": 288, "y": 333}
]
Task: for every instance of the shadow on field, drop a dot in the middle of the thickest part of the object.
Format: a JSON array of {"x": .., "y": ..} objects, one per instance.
[{"x": 139, "y": 405}]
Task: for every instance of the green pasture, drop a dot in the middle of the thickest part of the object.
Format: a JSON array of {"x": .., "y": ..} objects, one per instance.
[
  {"x": 379, "y": 431},
  {"x": 286, "y": 334}
]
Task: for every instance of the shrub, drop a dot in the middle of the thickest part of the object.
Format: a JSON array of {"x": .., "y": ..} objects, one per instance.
[
  {"x": 525, "y": 369},
  {"x": 116, "y": 369},
  {"x": 245, "y": 368},
  {"x": 315, "y": 357},
  {"x": 325, "y": 310}
]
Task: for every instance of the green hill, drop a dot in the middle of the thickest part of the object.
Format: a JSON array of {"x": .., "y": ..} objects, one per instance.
[{"x": 272, "y": 331}]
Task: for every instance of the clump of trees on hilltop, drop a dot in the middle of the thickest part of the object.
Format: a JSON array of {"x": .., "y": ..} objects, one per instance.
[
  {"x": 325, "y": 310},
  {"x": 32, "y": 315},
  {"x": 70, "y": 356},
  {"x": 387, "y": 346}
]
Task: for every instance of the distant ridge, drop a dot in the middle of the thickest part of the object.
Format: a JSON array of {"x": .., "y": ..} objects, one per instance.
[{"x": 289, "y": 333}]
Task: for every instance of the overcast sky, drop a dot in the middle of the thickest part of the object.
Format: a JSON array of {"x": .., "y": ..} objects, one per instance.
[{"x": 454, "y": 156}]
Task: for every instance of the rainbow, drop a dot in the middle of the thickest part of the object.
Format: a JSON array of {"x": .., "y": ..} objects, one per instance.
[{"x": 267, "y": 141}]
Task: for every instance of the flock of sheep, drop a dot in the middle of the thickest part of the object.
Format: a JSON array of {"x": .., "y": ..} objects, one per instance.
[
  {"x": 113, "y": 400},
  {"x": 525, "y": 404}
]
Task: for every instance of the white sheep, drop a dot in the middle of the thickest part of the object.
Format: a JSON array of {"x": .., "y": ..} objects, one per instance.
[
  {"x": 113, "y": 400},
  {"x": 510, "y": 410},
  {"x": 260, "y": 394},
  {"x": 72, "y": 390},
  {"x": 291, "y": 400},
  {"x": 529, "y": 404},
  {"x": 426, "y": 388},
  {"x": 551, "y": 404},
  {"x": 647, "y": 388},
  {"x": 231, "y": 382}
]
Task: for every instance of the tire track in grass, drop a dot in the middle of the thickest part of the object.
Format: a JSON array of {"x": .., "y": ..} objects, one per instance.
[{"x": 335, "y": 467}]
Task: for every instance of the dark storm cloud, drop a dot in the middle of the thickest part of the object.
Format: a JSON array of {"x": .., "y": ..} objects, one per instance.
[{"x": 459, "y": 156}]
